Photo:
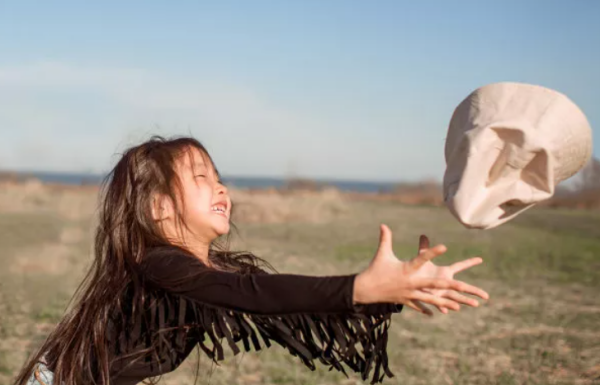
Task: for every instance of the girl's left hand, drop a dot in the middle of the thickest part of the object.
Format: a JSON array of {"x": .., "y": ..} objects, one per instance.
[{"x": 431, "y": 270}]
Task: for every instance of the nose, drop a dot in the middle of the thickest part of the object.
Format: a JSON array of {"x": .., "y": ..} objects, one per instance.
[{"x": 221, "y": 189}]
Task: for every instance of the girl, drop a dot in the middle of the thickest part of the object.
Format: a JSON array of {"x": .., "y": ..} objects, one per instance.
[{"x": 163, "y": 282}]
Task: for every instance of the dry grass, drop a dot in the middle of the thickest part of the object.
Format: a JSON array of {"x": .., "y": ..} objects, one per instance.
[
  {"x": 274, "y": 207},
  {"x": 541, "y": 326}
]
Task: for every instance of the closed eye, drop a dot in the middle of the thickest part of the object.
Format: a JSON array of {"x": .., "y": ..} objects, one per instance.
[{"x": 201, "y": 176}]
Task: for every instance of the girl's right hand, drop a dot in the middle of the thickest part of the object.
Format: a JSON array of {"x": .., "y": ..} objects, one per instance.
[{"x": 390, "y": 280}]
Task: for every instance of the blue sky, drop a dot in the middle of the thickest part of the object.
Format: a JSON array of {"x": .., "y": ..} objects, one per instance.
[{"x": 328, "y": 89}]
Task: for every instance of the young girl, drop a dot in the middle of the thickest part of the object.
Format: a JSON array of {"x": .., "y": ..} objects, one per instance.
[{"x": 162, "y": 283}]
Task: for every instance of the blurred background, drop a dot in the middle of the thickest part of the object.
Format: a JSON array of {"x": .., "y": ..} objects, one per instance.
[{"x": 325, "y": 119}]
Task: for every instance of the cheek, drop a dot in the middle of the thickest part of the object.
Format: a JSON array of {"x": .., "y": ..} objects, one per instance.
[{"x": 198, "y": 202}]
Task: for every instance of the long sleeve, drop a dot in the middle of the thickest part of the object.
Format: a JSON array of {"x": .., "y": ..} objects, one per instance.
[
  {"x": 313, "y": 317},
  {"x": 252, "y": 293}
]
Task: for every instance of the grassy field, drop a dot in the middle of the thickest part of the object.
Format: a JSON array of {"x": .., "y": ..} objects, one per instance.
[{"x": 542, "y": 270}]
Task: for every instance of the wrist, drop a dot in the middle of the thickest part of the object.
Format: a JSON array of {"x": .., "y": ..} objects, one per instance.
[{"x": 360, "y": 291}]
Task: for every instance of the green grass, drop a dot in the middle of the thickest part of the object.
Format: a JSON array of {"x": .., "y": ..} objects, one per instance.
[{"x": 540, "y": 326}]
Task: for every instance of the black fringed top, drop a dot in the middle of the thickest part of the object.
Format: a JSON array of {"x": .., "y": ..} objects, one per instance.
[{"x": 314, "y": 318}]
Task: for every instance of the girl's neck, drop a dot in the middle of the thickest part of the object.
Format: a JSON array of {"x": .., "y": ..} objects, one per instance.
[
  {"x": 200, "y": 251},
  {"x": 198, "y": 247}
]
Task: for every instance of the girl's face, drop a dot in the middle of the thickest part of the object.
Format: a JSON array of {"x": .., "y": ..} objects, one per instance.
[{"x": 206, "y": 203}]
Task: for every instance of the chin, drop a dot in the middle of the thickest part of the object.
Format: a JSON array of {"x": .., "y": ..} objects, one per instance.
[{"x": 222, "y": 230}]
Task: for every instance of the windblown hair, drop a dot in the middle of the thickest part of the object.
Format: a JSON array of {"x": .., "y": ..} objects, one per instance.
[{"x": 78, "y": 350}]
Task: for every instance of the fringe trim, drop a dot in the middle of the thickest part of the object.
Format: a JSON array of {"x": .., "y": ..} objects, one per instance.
[{"x": 330, "y": 338}]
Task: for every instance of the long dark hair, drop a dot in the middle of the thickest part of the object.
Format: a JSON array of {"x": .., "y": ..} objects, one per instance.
[{"x": 77, "y": 351}]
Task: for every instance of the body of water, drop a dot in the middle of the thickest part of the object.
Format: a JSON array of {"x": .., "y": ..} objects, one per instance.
[{"x": 238, "y": 182}]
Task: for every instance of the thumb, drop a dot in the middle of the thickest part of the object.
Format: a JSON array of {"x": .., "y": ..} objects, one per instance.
[
  {"x": 385, "y": 240},
  {"x": 423, "y": 243}
]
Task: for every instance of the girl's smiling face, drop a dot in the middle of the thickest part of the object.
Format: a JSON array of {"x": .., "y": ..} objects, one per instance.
[
  {"x": 207, "y": 205},
  {"x": 204, "y": 202}
]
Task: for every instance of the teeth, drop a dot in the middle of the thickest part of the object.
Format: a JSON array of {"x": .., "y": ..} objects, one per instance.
[{"x": 219, "y": 209}]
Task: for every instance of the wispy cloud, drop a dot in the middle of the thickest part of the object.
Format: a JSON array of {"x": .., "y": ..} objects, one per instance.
[{"x": 64, "y": 117}]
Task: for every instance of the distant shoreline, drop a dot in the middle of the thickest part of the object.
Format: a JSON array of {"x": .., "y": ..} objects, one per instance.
[
  {"x": 87, "y": 179},
  {"x": 422, "y": 193}
]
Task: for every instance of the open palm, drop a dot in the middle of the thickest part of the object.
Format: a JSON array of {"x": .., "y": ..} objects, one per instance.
[{"x": 431, "y": 270}]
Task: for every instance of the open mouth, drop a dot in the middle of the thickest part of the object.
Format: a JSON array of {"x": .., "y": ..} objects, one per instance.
[{"x": 220, "y": 208}]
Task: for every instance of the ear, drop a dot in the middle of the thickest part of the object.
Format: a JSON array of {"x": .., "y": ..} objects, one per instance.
[{"x": 162, "y": 208}]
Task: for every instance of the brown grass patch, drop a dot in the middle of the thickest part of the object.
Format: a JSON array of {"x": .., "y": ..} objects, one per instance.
[{"x": 272, "y": 206}]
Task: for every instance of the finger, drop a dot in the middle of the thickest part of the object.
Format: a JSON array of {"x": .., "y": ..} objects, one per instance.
[
  {"x": 457, "y": 297},
  {"x": 419, "y": 307},
  {"x": 470, "y": 289},
  {"x": 423, "y": 243},
  {"x": 427, "y": 255},
  {"x": 449, "y": 284},
  {"x": 440, "y": 308},
  {"x": 463, "y": 265},
  {"x": 385, "y": 239},
  {"x": 412, "y": 305},
  {"x": 435, "y": 300},
  {"x": 425, "y": 309}
]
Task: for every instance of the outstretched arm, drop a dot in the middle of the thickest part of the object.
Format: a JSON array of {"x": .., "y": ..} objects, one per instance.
[
  {"x": 253, "y": 293},
  {"x": 313, "y": 317},
  {"x": 387, "y": 280}
]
